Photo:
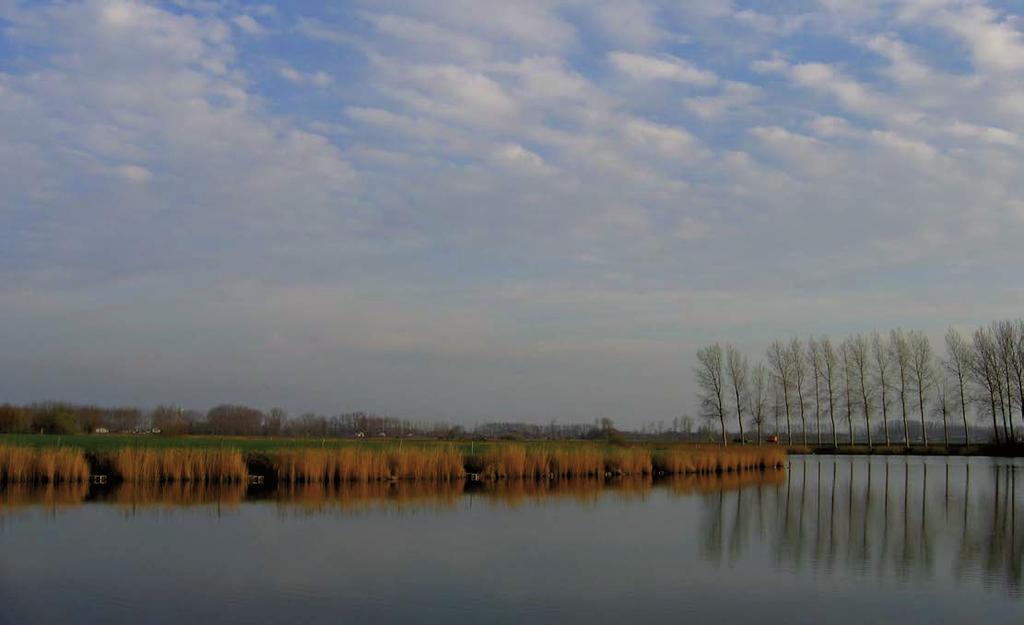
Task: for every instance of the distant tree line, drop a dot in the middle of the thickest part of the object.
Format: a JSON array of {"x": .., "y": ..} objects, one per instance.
[
  {"x": 871, "y": 389},
  {"x": 240, "y": 420}
]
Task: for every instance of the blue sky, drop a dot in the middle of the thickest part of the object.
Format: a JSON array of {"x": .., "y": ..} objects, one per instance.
[{"x": 481, "y": 210}]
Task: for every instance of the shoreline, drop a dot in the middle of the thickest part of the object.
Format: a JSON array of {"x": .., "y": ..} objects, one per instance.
[{"x": 959, "y": 450}]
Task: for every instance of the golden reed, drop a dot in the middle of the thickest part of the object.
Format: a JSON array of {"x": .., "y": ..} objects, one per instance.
[
  {"x": 439, "y": 463},
  {"x": 210, "y": 466},
  {"x": 713, "y": 459},
  {"x": 49, "y": 465},
  {"x": 330, "y": 466}
]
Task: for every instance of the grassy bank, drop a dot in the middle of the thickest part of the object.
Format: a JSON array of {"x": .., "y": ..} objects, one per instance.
[{"x": 435, "y": 461}]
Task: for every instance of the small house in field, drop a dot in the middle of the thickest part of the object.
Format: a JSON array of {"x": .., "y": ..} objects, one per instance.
[
  {"x": 101, "y": 430},
  {"x": 360, "y": 435}
]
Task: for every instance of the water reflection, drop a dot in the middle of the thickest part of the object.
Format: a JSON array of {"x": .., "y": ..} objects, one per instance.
[
  {"x": 889, "y": 519},
  {"x": 356, "y": 498}
]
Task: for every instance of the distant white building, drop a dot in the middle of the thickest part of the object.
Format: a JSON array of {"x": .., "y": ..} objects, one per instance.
[{"x": 101, "y": 430}]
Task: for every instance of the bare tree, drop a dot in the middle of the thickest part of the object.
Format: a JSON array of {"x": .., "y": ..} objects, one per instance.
[
  {"x": 846, "y": 353},
  {"x": 712, "y": 385},
  {"x": 958, "y": 364},
  {"x": 758, "y": 401},
  {"x": 778, "y": 360},
  {"x": 739, "y": 378},
  {"x": 776, "y": 405},
  {"x": 921, "y": 371},
  {"x": 1005, "y": 333},
  {"x": 860, "y": 353},
  {"x": 814, "y": 358},
  {"x": 985, "y": 372},
  {"x": 942, "y": 395},
  {"x": 798, "y": 367},
  {"x": 1018, "y": 366},
  {"x": 830, "y": 368},
  {"x": 900, "y": 352},
  {"x": 880, "y": 353}
]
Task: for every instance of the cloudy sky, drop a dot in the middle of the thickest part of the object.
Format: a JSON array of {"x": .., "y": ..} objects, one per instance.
[{"x": 480, "y": 210}]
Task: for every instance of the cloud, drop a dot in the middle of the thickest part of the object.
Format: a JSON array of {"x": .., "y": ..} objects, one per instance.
[
  {"x": 248, "y": 25},
  {"x": 668, "y": 68},
  {"x": 994, "y": 41},
  {"x": 547, "y": 201},
  {"x": 294, "y": 76}
]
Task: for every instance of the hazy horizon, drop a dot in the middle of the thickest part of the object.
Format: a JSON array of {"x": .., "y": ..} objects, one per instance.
[{"x": 475, "y": 211}]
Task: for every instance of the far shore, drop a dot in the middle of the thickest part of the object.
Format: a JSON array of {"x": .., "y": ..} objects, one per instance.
[{"x": 917, "y": 449}]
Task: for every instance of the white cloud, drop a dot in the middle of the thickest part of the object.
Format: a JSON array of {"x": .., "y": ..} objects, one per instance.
[
  {"x": 520, "y": 159},
  {"x": 248, "y": 25},
  {"x": 668, "y": 68},
  {"x": 133, "y": 173},
  {"x": 317, "y": 79},
  {"x": 994, "y": 41}
]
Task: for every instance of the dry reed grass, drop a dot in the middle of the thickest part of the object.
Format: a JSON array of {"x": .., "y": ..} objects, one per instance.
[
  {"x": 332, "y": 466},
  {"x": 632, "y": 461},
  {"x": 178, "y": 465},
  {"x": 50, "y": 465},
  {"x": 708, "y": 459},
  {"x": 518, "y": 461}
]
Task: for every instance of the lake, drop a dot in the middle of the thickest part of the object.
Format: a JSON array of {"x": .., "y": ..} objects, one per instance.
[{"x": 833, "y": 539}]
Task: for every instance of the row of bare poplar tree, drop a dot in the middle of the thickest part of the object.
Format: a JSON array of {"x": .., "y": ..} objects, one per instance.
[{"x": 872, "y": 386}]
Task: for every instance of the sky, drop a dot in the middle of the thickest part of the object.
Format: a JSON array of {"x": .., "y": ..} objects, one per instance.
[{"x": 477, "y": 210}]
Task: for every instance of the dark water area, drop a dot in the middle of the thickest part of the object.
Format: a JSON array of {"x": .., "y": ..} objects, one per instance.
[{"x": 830, "y": 540}]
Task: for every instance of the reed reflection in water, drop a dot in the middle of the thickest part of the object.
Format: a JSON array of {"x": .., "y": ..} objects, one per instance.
[
  {"x": 897, "y": 519},
  {"x": 298, "y": 499}
]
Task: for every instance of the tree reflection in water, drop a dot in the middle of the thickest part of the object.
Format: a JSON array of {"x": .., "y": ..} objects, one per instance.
[{"x": 889, "y": 518}]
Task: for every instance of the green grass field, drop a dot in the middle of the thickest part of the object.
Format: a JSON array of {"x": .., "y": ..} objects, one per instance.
[{"x": 102, "y": 443}]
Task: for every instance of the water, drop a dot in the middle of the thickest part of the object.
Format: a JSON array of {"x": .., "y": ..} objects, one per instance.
[{"x": 831, "y": 540}]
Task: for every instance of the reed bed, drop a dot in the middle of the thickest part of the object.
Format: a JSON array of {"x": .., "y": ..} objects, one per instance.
[
  {"x": 633, "y": 461},
  {"x": 518, "y": 461},
  {"x": 700, "y": 460},
  {"x": 50, "y": 465},
  {"x": 208, "y": 466},
  {"x": 330, "y": 466}
]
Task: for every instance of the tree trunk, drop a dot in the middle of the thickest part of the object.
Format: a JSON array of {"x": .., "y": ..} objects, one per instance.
[
  {"x": 920, "y": 404},
  {"x": 832, "y": 413},
  {"x": 885, "y": 416},
  {"x": 963, "y": 413},
  {"x": 721, "y": 418},
  {"x": 817, "y": 409},
  {"x": 867, "y": 419},
  {"x": 945, "y": 424},
  {"x": 789, "y": 427},
  {"x": 1009, "y": 403},
  {"x": 803, "y": 419},
  {"x": 906, "y": 424},
  {"x": 739, "y": 414},
  {"x": 849, "y": 414},
  {"x": 995, "y": 424}
]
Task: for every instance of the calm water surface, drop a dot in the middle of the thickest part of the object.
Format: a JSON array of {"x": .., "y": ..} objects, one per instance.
[{"x": 831, "y": 540}]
